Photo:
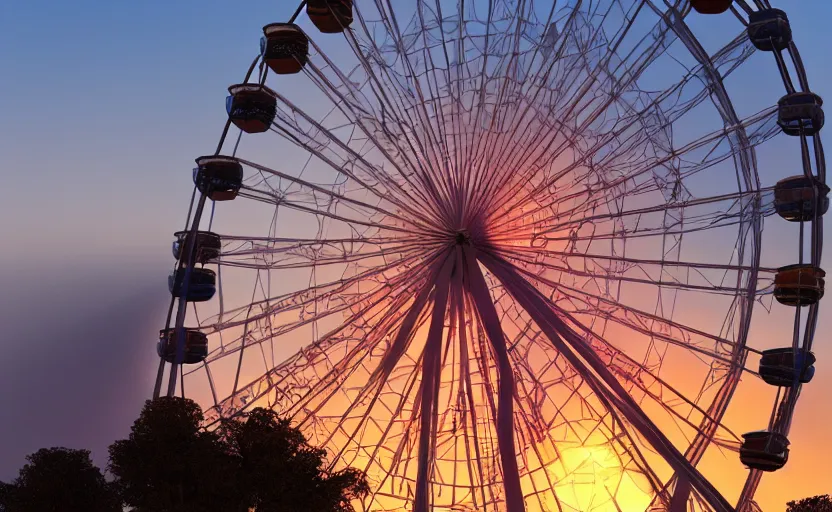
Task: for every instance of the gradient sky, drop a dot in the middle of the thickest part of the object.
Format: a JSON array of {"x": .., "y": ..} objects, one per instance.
[{"x": 104, "y": 108}]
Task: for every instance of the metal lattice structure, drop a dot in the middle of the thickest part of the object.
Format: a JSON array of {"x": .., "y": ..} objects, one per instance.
[{"x": 519, "y": 242}]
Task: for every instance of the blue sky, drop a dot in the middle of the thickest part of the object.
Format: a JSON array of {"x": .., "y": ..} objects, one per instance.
[{"x": 104, "y": 107}]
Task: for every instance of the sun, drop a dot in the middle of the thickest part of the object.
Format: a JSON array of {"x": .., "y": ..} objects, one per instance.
[{"x": 593, "y": 479}]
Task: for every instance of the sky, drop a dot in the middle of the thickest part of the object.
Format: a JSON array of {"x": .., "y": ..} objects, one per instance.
[{"x": 104, "y": 107}]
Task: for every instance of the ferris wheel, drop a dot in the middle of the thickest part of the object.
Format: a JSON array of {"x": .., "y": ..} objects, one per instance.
[{"x": 503, "y": 254}]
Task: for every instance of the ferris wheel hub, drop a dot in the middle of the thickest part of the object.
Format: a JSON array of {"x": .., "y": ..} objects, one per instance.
[{"x": 462, "y": 237}]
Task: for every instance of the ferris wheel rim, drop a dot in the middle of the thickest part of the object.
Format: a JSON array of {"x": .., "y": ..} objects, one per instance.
[{"x": 752, "y": 184}]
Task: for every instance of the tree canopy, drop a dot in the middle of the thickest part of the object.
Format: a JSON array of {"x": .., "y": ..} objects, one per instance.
[
  {"x": 822, "y": 503},
  {"x": 170, "y": 463},
  {"x": 280, "y": 472},
  {"x": 59, "y": 480}
]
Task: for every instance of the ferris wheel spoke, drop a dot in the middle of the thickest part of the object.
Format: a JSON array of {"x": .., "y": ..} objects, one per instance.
[
  {"x": 644, "y": 56},
  {"x": 392, "y": 32},
  {"x": 695, "y": 214},
  {"x": 452, "y": 76},
  {"x": 288, "y": 302},
  {"x": 571, "y": 107},
  {"x": 340, "y": 368},
  {"x": 615, "y": 393},
  {"x": 429, "y": 391},
  {"x": 760, "y": 127},
  {"x": 482, "y": 405},
  {"x": 728, "y": 57},
  {"x": 504, "y": 122},
  {"x": 261, "y": 331},
  {"x": 641, "y": 232},
  {"x": 271, "y": 198},
  {"x": 646, "y": 323},
  {"x": 506, "y": 386},
  {"x": 758, "y": 202},
  {"x": 723, "y": 206},
  {"x": 624, "y": 439},
  {"x": 404, "y": 335},
  {"x": 342, "y": 162},
  {"x": 257, "y": 252},
  {"x": 410, "y": 131},
  {"x": 431, "y": 129},
  {"x": 731, "y": 57},
  {"x": 388, "y": 435},
  {"x": 466, "y": 401},
  {"x": 233, "y": 243},
  {"x": 346, "y": 430},
  {"x": 384, "y": 136},
  {"x": 313, "y": 192},
  {"x": 632, "y": 372},
  {"x": 616, "y": 260},
  {"x": 333, "y": 297},
  {"x": 257, "y": 259},
  {"x": 383, "y": 383},
  {"x": 360, "y": 326},
  {"x": 555, "y": 266}
]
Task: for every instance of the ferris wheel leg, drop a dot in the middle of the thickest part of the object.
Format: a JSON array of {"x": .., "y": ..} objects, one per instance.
[
  {"x": 679, "y": 502},
  {"x": 505, "y": 388},
  {"x": 159, "y": 374},
  {"x": 430, "y": 388}
]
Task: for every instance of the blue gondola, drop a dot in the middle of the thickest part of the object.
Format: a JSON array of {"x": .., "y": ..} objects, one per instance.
[
  {"x": 769, "y": 30},
  {"x": 201, "y": 287},
  {"x": 787, "y": 367}
]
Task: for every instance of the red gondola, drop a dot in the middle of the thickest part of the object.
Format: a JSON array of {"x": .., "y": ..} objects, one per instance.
[
  {"x": 711, "y": 6},
  {"x": 251, "y": 107},
  {"x": 285, "y": 48},
  {"x": 799, "y": 285},
  {"x": 330, "y": 16}
]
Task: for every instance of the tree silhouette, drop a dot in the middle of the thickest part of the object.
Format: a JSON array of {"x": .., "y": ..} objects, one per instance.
[
  {"x": 59, "y": 480},
  {"x": 280, "y": 472},
  {"x": 822, "y": 503},
  {"x": 170, "y": 463}
]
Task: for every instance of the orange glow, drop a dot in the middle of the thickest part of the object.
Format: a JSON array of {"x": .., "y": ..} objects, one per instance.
[{"x": 589, "y": 477}]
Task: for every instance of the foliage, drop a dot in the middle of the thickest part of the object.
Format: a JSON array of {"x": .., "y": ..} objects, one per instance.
[
  {"x": 822, "y": 503},
  {"x": 280, "y": 472},
  {"x": 59, "y": 480},
  {"x": 170, "y": 464}
]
